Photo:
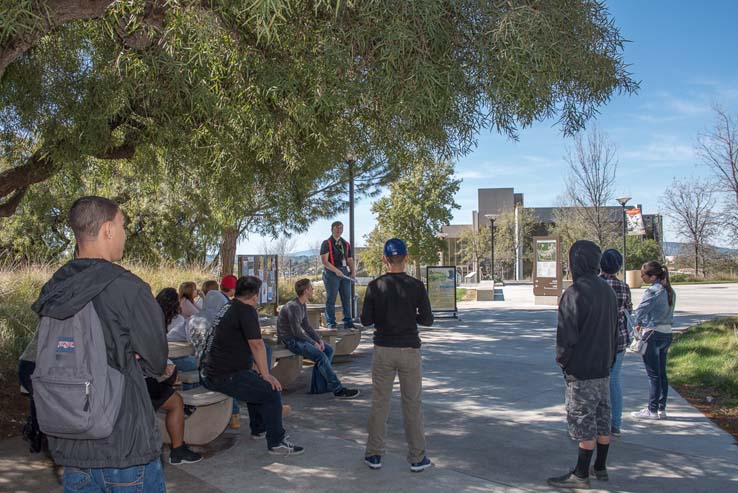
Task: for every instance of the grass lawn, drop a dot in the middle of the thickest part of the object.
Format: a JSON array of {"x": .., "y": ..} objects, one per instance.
[{"x": 703, "y": 368}]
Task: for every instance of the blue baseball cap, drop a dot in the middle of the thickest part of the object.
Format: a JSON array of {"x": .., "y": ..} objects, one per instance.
[{"x": 395, "y": 247}]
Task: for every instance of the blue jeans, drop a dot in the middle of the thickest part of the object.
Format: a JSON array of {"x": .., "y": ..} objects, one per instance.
[
  {"x": 655, "y": 361},
  {"x": 186, "y": 363},
  {"x": 263, "y": 402},
  {"x": 616, "y": 391},
  {"x": 235, "y": 409},
  {"x": 322, "y": 369},
  {"x": 335, "y": 285},
  {"x": 136, "y": 479}
]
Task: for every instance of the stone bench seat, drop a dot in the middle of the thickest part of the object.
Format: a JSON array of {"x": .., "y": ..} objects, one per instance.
[{"x": 210, "y": 418}]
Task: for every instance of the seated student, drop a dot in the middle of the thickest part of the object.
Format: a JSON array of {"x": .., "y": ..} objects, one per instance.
[
  {"x": 235, "y": 363},
  {"x": 164, "y": 397},
  {"x": 169, "y": 302},
  {"x": 207, "y": 286},
  {"x": 187, "y": 292},
  {"x": 294, "y": 330}
]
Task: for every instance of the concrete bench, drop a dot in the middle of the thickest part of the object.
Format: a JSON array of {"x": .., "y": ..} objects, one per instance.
[
  {"x": 210, "y": 419},
  {"x": 345, "y": 341},
  {"x": 285, "y": 366},
  {"x": 179, "y": 349}
]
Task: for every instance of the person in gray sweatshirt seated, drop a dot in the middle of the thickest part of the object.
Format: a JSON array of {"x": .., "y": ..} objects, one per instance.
[{"x": 295, "y": 332}]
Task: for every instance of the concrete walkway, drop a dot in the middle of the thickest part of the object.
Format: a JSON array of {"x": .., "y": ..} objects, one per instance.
[{"x": 493, "y": 403}]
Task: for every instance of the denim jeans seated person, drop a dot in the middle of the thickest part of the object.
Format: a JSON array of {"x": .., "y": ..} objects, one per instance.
[
  {"x": 324, "y": 379},
  {"x": 263, "y": 402}
]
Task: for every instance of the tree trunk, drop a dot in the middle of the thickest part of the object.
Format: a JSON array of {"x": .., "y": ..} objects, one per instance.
[
  {"x": 417, "y": 268},
  {"x": 696, "y": 258},
  {"x": 228, "y": 251}
]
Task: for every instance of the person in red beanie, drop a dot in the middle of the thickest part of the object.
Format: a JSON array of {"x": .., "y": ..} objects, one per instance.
[{"x": 228, "y": 286}]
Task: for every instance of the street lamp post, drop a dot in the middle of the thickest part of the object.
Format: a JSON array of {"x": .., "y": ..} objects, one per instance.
[
  {"x": 492, "y": 218},
  {"x": 351, "y": 160},
  {"x": 622, "y": 201}
]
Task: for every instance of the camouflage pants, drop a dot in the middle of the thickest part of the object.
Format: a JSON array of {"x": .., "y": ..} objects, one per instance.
[{"x": 588, "y": 408}]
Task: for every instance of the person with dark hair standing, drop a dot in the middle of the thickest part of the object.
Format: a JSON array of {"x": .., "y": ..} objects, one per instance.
[
  {"x": 295, "y": 332},
  {"x": 235, "y": 363},
  {"x": 586, "y": 339},
  {"x": 653, "y": 320},
  {"x": 610, "y": 264},
  {"x": 395, "y": 303},
  {"x": 133, "y": 325},
  {"x": 338, "y": 269}
]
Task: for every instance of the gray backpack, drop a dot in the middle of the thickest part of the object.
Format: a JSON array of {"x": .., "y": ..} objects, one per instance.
[{"x": 77, "y": 394}]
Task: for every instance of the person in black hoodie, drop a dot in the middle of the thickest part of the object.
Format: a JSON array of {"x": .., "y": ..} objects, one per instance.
[
  {"x": 133, "y": 326},
  {"x": 586, "y": 340}
]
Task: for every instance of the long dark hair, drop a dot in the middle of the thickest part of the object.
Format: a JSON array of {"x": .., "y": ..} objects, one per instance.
[
  {"x": 654, "y": 268},
  {"x": 169, "y": 302}
]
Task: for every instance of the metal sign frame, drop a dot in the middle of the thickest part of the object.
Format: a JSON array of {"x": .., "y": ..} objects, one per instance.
[
  {"x": 454, "y": 312},
  {"x": 547, "y": 286}
]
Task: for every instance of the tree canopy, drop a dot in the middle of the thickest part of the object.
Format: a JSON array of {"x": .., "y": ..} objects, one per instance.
[{"x": 243, "y": 96}]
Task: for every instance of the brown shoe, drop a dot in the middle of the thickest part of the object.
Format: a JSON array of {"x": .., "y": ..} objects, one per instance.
[
  {"x": 286, "y": 410},
  {"x": 235, "y": 421}
]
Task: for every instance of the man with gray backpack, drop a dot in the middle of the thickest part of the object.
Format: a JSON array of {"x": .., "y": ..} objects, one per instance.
[{"x": 100, "y": 331}]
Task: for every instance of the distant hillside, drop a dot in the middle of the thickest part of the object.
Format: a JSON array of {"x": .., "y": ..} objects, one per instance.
[
  {"x": 305, "y": 253},
  {"x": 673, "y": 248}
]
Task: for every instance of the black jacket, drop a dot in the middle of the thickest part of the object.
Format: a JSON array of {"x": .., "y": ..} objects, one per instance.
[
  {"x": 132, "y": 322},
  {"x": 396, "y": 303},
  {"x": 587, "y": 331}
]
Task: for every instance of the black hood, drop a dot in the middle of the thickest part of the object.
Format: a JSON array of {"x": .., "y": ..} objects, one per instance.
[
  {"x": 74, "y": 285},
  {"x": 584, "y": 259}
]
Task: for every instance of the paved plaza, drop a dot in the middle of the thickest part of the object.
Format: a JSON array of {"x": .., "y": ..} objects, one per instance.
[{"x": 494, "y": 416}]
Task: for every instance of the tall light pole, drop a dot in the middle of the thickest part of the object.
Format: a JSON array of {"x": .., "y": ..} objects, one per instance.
[
  {"x": 351, "y": 159},
  {"x": 492, "y": 218},
  {"x": 622, "y": 201}
]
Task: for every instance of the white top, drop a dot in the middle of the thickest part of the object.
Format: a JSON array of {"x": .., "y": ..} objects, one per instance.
[{"x": 176, "y": 332}]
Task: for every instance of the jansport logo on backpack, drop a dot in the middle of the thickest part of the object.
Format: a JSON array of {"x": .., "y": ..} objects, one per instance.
[{"x": 77, "y": 394}]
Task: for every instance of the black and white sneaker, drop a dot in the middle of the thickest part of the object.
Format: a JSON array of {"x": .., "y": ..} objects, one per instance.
[
  {"x": 421, "y": 466},
  {"x": 345, "y": 393},
  {"x": 373, "y": 461},
  {"x": 286, "y": 448},
  {"x": 183, "y": 455},
  {"x": 258, "y": 436}
]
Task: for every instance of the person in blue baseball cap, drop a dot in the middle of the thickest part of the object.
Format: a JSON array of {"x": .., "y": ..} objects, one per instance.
[{"x": 395, "y": 303}]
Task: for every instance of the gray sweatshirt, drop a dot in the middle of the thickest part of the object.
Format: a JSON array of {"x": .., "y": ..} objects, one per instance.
[{"x": 293, "y": 323}]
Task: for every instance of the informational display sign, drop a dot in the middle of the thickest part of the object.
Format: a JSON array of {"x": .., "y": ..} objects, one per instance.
[
  {"x": 265, "y": 268},
  {"x": 441, "y": 286},
  {"x": 547, "y": 275},
  {"x": 634, "y": 222}
]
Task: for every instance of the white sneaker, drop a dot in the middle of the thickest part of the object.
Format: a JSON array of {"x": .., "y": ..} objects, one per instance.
[
  {"x": 662, "y": 415},
  {"x": 644, "y": 413}
]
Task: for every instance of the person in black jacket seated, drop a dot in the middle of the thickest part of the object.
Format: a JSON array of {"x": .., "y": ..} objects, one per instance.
[
  {"x": 586, "y": 341},
  {"x": 396, "y": 303}
]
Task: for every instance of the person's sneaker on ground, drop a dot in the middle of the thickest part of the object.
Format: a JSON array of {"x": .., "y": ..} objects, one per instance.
[
  {"x": 286, "y": 410},
  {"x": 615, "y": 431},
  {"x": 373, "y": 461},
  {"x": 644, "y": 413},
  {"x": 285, "y": 447},
  {"x": 332, "y": 326},
  {"x": 600, "y": 475},
  {"x": 345, "y": 393},
  {"x": 662, "y": 415},
  {"x": 421, "y": 466},
  {"x": 349, "y": 326},
  {"x": 569, "y": 480},
  {"x": 183, "y": 455},
  {"x": 235, "y": 421},
  {"x": 189, "y": 410},
  {"x": 258, "y": 436}
]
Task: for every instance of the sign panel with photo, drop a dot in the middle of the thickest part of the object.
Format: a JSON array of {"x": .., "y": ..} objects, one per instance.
[
  {"x": 441, "y": 286},
  {"x": 635, "y": 222},
  {"x": 547, "y": 275},
  {"x": 265, "y": 268}
]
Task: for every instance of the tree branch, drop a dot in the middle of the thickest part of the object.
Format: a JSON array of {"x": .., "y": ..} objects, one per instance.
[
  {"x": 8, "y": 208},
  {"x": 51, "y": 14}
]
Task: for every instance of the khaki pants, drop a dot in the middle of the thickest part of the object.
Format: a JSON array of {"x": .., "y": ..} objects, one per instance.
[{"x": 406, "y": 362}]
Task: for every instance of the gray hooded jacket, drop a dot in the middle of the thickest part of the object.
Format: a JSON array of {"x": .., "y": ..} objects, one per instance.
[
  {"x": 133, "y": 323},
  {"x": 587, "y": 330}
]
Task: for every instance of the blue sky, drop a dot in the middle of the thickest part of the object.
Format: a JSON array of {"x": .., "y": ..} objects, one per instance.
[{"x": 685, "y": 55}]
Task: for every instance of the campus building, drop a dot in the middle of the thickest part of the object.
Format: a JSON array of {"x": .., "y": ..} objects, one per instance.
[{"x": 493, "y": 202}]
